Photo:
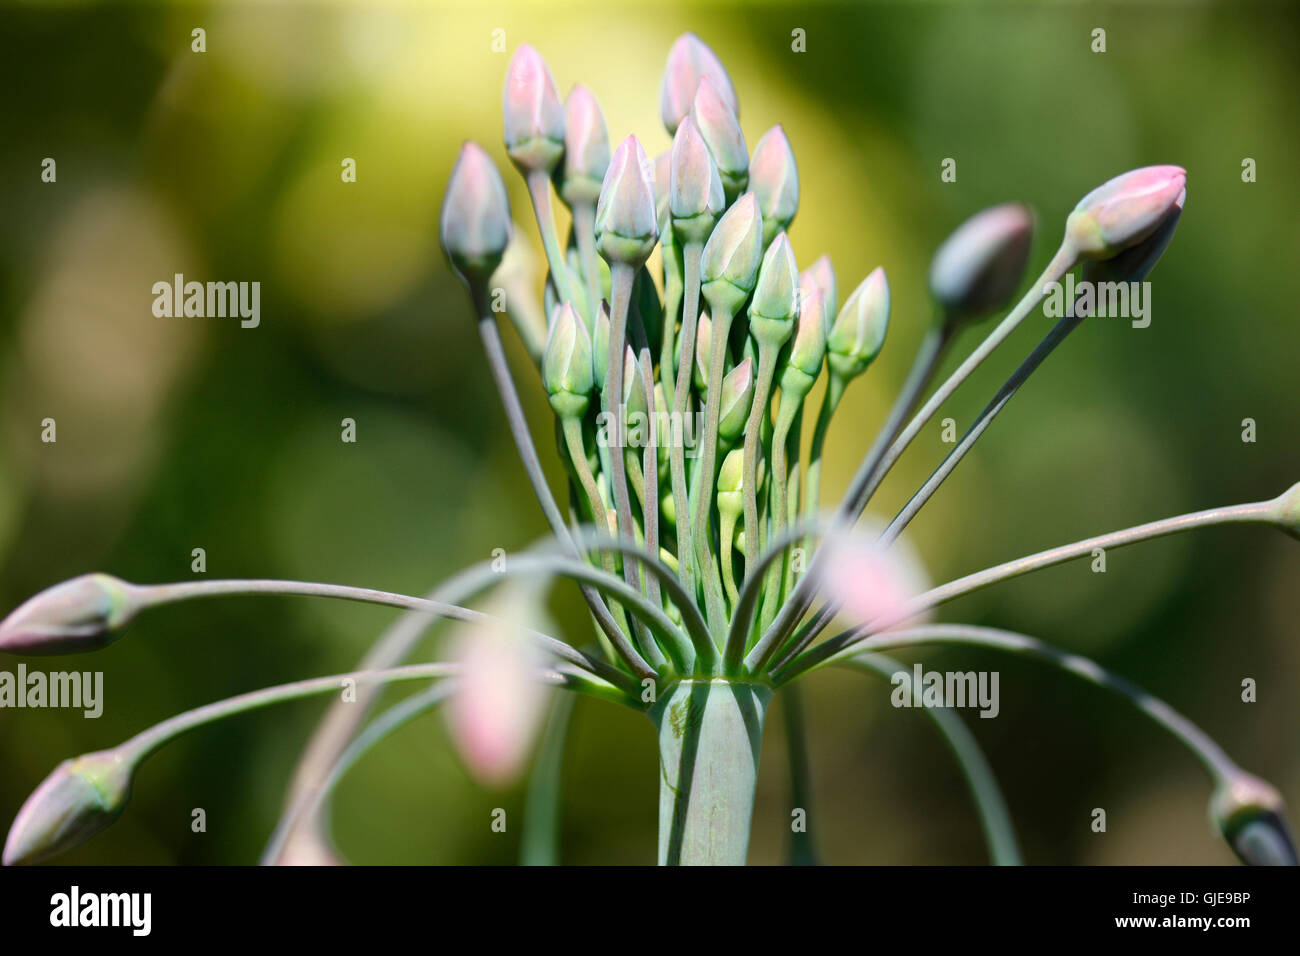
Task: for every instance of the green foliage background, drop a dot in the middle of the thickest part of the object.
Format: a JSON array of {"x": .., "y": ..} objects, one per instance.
[{"x": 182, "y": 433}]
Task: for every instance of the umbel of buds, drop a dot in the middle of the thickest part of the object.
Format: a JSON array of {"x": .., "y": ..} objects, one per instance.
[
  {"x": 82, "y": 614},
  {"x": 81, "y": 797}
]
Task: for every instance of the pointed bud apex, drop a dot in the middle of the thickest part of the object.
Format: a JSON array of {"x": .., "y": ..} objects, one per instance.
[
  {"x": 566, "y": 364},
  {"x": 979, "y": 267},
  {"x": 475, "y": 224},
  {"x": 600, "y": 347},
  {"x": 695, "y": 197},
  {"x": 1248, "y": 812},
  {"x": 586, "y": 148},
  {"x": 534, "y": 118},
  {"x": 737, "y": 397},
  {"x": 1136, "y": 262},
  {"x": 729, "y": 267},
  {"x": 721, "y": 132},
  {"x": 627, "y": 225},
  {"x": 858, "y": 332},
  {"x": 775, "y": 305},
  {"x": 82, "y": 614},
  {"x": 689, "y": 61},
  {"x": 822, "y": 275},
  {"x": 1287, "y": 511},
  {"x": 807, "y": 350},
  {"x": 81, "y": 797},
  {"x": 1124, "y": 210},
  {"x": 774, "y": 179}
]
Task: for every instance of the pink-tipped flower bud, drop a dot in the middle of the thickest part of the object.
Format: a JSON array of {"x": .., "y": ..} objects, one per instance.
[
  {"x": 79, "y": 799},
  {"x": 1124, "y": 210},
  {"x": 775, "y": 306},
  {"x": 627, "y": 225},
  {"x": 695, "y": 196},
  {"x": 721, "y": 132},
  {"x": 689, "y": 61},
  {"x": 807, "y": 349},
  {"x": 475, "y": 222},
  {"x": 737, "y": 397},
  {"x": 534, "y": 118},
  {"x": 83, "y": 614},
  {"x": 979, "y": 267},
  {"x": 566, "y": 364},
  {"x": 729, "y": 266},
  {"x": 858, "y": 332},
  {"x": 822, "y": 275},
  {"x": 774, "y": 179},
  {"x": 586, "y": 148}
]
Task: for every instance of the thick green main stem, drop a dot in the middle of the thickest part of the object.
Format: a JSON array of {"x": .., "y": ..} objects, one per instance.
[{"x": 710, "y": 733}]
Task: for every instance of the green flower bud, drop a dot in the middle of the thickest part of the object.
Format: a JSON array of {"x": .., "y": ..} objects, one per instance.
[
  {"x": 774, "y": 179},
  {"x": 695, "y": 197},
  {"x": 775, "y": 305},
  {"x": 703, "y": 342},
  {"x": 586, "y": 148},
  {"x": 566, "y": 364},
  {"x": 822, "y": 275},
  {"x": 731, "y": 484},
  {"x": 729, "y": 267},
  {"x": 600, "y": 347},
  {"x": 1124, "y": 210},
  {"x": 534, "y": 118},
  {"x": 803, "y": 357},
  {"x": 689, "y": 61},
  {"x": 83, "y": 614},
  {"x": 633, "y": 388},
  {"x": 627, "y": 225},
  {"x": 737, "y": 397},
  {"x": 1248, "y": 812},
  {"x": 475, "y": 221},
  {"x": 721, "y": 132},
  {"x": 859, "y": 330},
  {"x": 80, "y": 798},
  {"x": 979, "y": 267}
]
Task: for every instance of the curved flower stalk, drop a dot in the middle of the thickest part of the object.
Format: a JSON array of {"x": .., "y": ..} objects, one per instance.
[{"x": 693, "y": 527}]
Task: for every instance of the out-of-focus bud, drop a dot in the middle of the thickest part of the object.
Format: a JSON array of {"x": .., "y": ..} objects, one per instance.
[
  {"x": 534, "y": 118},
  {"x": 872, "y": 582},
  {"x": 858, "y": 332},
  {"x": 775, "y": 305},
  {"x": 774, "y": 179},
  {"x": 627, "y": 225},
  {"x": 737, "y": 397},
  {"x": 566, "y": 364},
  {"x": 803, "y": 359},
  {"x": 1287, "y": 509},
  {"x": 979, "y": 267},
  {"x": 822, "y": 275},
  {"x": 695, "y": 197},
  {"x": 586, "y": 148},
  {"x": 729, "y": 266},
  {"x": 1124, "y": 210},
  {"x": 600, "y": 347},
  {"x": 1249, "y": 814},
  {"x": 721, "y": 132},
  {"x": 689, "y": 61},
  {"x": 80, "y": 798},
  {"x": 1136, "y": 262},
  {"x": 83, "y": 614},
  {"x": 475, "y": 222}
]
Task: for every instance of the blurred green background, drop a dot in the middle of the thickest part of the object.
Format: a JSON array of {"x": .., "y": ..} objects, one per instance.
[{"x": 182, "y": 433}]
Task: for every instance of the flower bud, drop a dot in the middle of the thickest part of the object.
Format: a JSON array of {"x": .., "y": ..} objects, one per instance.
[
  {"x": 822, "y": 275},
  {"x": 600, "y": 347},
  {"x": 1136, "y": 262},
  {"x": 703, "y": 342},
  {"x": 1124, "y": 210},
  {"x": 775, "y": 305},
  {"x": 634, "y": 403},
  {"x": 627, "y": 225},
  {"x": 475, "y": 223},
  {"x": 586, "y": 148},
  {"x": 774, "y": 179},
  {"x": 689, "y": 61},
  {"x": 729, "y": 266},
  {"x": 534, "y": 118},
  {"x": 872, "y": 582},
  {"x": 80, "y": 798},
  {"x": 82, "y": 614},
  {"x": 731, "y": 484},
  {"x": 695, "y": 198},
  {"x": 566, "y": 364},
  {"x": 721, "y": 132},
  {"x": 1248, "y": 813},
  {"x": 979, "y": 267},
  {"x": 737, "y": 397},
  {"x": 807, "y": 350},
  {"x": 859, "y": 330}
]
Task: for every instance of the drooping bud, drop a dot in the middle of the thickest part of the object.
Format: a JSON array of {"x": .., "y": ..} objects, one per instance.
[
  {"x": 566, "y": 364},
  {"x": 534, "y": 118},
  {"x": 627, "y": 225},
  {"x": 721, "y": 132},
  {"x": 858, "y": 332},
  {"x": 1125, "y": 210},
  {"x": 822, "y": 275},
  {"x": 689, "y": 61},
  {"x": 83, "y": 614},
  {"x": 1248, "y": 812},
  {"x": 695, "y": 197},
  {"x": 774, "y": 179},
  {"x": 475, "y": 222},
  {"x": 729, "y": 266},
  {"x": 586, "y": 148},
  {"x": 737, "y": 397},
  {"x": 1287, "y": 510},
  {"x": 979, "y": 267},
  {"x": 79, "y": 799},
  {"x": 807, "y": 350},
  {"x": 775, "y": 306}
]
